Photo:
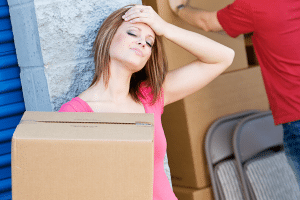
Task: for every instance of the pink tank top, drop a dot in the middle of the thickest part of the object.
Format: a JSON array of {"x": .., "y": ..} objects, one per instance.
[{"x": 161, "y": 186}]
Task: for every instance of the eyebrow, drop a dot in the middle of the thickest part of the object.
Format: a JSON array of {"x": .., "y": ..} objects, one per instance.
[{"x": 140, "y": 30}]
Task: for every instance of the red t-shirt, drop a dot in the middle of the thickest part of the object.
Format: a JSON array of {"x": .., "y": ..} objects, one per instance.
[{"x": 276, "y": 39}]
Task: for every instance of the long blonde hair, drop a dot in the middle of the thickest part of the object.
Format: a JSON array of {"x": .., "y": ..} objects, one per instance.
[{"x": 154, "y": 72}]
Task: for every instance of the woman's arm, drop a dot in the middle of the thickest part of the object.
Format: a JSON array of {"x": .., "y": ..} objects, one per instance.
[{"x": 213, "y": 57}]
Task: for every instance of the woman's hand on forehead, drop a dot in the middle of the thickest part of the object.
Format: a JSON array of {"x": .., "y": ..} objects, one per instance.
[{"x": 145, "y": 14}]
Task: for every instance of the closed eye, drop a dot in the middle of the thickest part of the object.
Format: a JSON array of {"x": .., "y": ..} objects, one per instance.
[
  {"x": 129, "y": 33},
  {"x": 132, "y": 34},
  {"x": 149, "y": 44}
]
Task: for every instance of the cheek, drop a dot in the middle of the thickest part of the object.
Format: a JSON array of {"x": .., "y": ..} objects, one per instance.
[
  {"x": 121, "y": 41},
  {"x": 149, "y": 54},
  {"x": 118, "y": 45}
]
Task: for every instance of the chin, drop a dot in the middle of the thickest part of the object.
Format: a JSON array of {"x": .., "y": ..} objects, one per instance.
[{"x": 135, "y": 66}]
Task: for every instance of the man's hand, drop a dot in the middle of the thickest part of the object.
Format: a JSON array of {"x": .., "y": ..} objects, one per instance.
[{"x": 174, "y": 3}]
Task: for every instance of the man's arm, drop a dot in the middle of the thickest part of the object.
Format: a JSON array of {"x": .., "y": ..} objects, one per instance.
[{"x": 199, "y": 18}]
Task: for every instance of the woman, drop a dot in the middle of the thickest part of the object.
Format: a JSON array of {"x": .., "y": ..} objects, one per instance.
[{"x": 131, "y": 73}]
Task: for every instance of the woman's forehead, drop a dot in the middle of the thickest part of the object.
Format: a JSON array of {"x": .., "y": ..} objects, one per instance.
[{"x": 139, "y": 26}]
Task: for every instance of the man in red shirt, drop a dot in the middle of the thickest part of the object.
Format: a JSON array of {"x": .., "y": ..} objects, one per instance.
[{"x": 276, "y": 40}]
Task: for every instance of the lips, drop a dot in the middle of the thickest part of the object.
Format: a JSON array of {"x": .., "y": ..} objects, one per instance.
[{"x": 138, "y": 52}]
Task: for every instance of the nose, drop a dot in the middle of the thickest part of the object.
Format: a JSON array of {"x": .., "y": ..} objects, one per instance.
[{"x": 142, "y": 42}]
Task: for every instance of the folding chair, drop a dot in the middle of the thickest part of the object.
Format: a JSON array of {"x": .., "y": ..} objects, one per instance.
[
  {"x": 219, "y": 155},
  {"x": 264, "y": 170}
]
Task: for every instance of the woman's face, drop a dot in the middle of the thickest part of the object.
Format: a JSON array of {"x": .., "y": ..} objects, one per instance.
[{"x": 132, "y": 45}]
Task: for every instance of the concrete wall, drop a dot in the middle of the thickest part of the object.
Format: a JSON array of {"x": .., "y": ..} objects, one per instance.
[{"x": 53, "y": 39}]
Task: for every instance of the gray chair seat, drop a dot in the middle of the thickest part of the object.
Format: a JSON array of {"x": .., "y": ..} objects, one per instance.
[
  {"x": 228, "y": 180},
  {"x": 271, "y": 177}
]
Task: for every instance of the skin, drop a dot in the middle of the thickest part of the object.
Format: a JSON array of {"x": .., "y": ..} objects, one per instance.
[
  {"x": 212, "y": 59},
  {"x": 174, "y": 3},
  {"x": 129, "y": 51},
  {"x": 197, "y": 17},
  {"x": 126, "y": 44}
]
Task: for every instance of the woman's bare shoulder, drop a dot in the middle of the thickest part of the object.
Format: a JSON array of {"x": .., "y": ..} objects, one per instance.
[{"x": 88, "y": 95}]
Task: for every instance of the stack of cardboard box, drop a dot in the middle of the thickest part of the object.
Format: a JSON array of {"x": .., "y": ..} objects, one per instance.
[
  {"x": 83, "y": 156},
  {"x": 185, "y": 122}
]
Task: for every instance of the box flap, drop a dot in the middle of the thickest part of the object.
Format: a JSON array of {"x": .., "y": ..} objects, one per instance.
[
  {"x": 86, "y": 126},
  {"x": 66, "y": 131},
  {"x": 88, "y": 117}
]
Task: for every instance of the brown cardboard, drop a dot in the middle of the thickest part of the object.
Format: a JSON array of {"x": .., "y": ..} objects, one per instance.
[
  {"x": 193, "y": 194},
  {"x": 151, "y": 3},
  {"x": 177, "y": 56},
  {"x": 83, "y": 156},
  {"x": 186, "y": 122}
]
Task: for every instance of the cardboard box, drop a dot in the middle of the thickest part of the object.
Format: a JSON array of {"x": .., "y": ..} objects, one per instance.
[
  {"x": 83, "y": 156},
  {"x": 186, "y": 121},
  {"x": 193, "y": 194},
  {"x": 178, "y": 56}
]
